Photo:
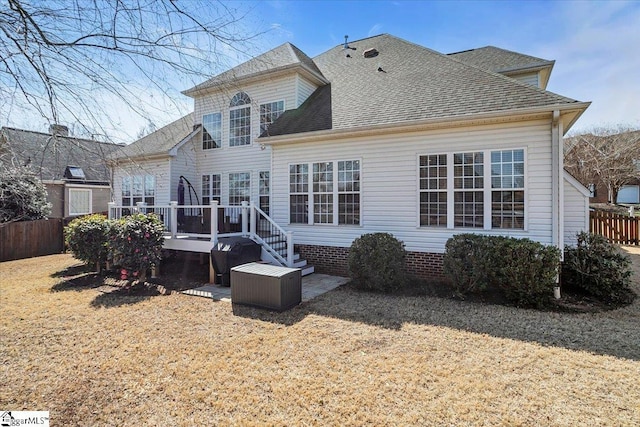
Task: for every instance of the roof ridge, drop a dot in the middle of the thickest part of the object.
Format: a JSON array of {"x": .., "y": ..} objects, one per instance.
[
  {"x": 506, "y": 78},
  {"x": 77, "y": 138}
]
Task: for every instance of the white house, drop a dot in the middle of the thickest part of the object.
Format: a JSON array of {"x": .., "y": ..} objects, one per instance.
[{"x": 377, "y": 135}]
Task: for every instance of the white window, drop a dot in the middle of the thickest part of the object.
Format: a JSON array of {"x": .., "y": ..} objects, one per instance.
[
  {"x": 335, "y": 192},
  {"x": 211, "y": 131},
  {"x": 211, "y": 188},
  {"x": 433, "y": 190},
  {"x": 459, "y": 198},
  {"x": 507, "y": 189},
  {"x": 138, "y": 188},
  {"x": 468, "y": 184},
  {"x": 299, "y": 194},
  {"x": 240, "y": 120},
  {"x": 79, "y": 201},
  {"x": 264, "y": 191},
  {"x": 239, "y": 187},
  {"x": 269, "y": 112}
]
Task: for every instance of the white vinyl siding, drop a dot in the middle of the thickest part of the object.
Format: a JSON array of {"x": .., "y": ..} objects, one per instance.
[
  {"x": 389, "y": 196},
  {"x": 576, "y": 212},
  {"x": 305, "y": 89}
]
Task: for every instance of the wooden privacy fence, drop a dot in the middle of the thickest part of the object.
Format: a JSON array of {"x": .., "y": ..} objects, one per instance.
[
  {"x": 28, "y": 239},
  {"x": 622, "y": 229}
]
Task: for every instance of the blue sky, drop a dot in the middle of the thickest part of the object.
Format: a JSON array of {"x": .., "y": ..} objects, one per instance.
[{"x": 596, "y": 46}]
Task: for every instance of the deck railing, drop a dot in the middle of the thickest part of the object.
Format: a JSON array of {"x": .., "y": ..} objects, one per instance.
[{"x": 214, "y": 221}]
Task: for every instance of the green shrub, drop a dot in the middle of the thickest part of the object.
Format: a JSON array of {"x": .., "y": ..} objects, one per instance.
[
  {"x": 87, "y": 238},
  {"x": 464, "y": 260},
  {"x": 136, "y": 244},
  {"x": 376, "y": 262},
  {"x": 597, "y": 267},
  {"x": 523, "y": 270}
]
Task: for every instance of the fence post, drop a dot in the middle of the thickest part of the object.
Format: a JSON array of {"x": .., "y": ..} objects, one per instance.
[
  {"x": 252, "y": 220},
  {"x": 245, "y": 218},
  {"x": 289, "y": 248},
  {"x": 174, "y": 219},
  {"x": 111, "y": 210},
  {"x": 214, "y": 221}
]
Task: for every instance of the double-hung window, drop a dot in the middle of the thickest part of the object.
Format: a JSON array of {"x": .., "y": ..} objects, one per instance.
[
  {"x": 507, "y": 189},
  {"x": 211, "y": 188},
  {"x": 264, "y": 191},
  {"x": 269, "y": 112},
  {"x": 211, "y": 131},
  {"x": 240, "y": 120},
  {"x": 334, "y": 192},
  {"x": 239, "y": 187},
  {"x": 477, "y": 189},
  {"x": 138, "y": 188},
  {"x": 299, "y": 193}
]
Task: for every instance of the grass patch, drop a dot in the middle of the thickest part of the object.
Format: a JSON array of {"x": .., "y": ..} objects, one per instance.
[{"x": 345, "y": 358}]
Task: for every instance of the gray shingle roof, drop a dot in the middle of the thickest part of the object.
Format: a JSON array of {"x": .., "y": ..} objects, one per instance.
[
  {"x": 406, "y": 82},
  {"x": 49, "y": 156},
  {"x": 314, "y": 114},
  {"x": 492, "y": 58},
  {"x": 283, "y": 56},
  {"x": 159, "y": 142}
]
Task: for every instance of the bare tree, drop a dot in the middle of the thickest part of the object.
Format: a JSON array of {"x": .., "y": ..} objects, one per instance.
[
  {"x": 84, "y": 61},
  {"x": 607, "y": 156}
]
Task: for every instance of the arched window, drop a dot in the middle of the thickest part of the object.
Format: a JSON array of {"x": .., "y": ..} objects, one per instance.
[{"x": 240, "y": 120}]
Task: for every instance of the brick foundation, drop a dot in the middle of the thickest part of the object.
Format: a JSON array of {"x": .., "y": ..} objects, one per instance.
[{"x": 333, "y": 260}]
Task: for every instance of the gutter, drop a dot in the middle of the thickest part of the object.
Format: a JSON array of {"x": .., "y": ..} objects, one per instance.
[{"x": 427, "y": 124}]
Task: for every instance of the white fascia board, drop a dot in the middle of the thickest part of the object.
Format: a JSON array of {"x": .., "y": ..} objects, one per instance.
[
  {"x": 576, "y": 184},
  {"x": 174, "y": 151}
]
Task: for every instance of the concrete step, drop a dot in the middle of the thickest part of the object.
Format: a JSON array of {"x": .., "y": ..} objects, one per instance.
[{"x": 307, "y": 270}]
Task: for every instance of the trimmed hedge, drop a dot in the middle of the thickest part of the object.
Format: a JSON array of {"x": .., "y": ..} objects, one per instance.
[
  {"x": 377, "y": 262},
  {"x": 596, "y": 267},
  {"x": 87, "y": 238},
  {"x": 523, "y": 270},
  {"x": 136, "y": 244},
  {"x": 133, "y": 243}
]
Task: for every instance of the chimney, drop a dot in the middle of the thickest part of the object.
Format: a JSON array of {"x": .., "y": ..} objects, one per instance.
[{"x": 59, "y": 130}]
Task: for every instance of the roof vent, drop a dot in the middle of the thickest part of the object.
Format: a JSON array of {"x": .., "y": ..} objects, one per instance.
[
  {"x": 370, "y": 53},
  {"x": 346, "y": 44}
]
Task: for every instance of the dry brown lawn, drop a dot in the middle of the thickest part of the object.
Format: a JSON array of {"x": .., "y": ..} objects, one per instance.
[{"x": 345, "y": 358}]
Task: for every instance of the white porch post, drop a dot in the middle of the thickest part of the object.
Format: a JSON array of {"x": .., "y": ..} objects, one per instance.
[
  {"x": 252, "y": 222},
  {"x": 174, "y": 218},
  {"x": 289, "y": 248},
  {"x": 245, "y": 218},
  {"x": 142, "y": 207},
  {"x": 111, "y": 211},
  {"x": 214, "y": 221}
]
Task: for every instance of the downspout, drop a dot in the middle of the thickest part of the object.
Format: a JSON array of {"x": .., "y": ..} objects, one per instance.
[{"x": 557, "y": 191}]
